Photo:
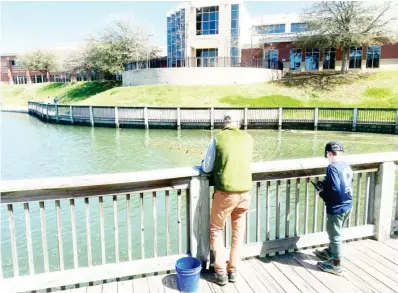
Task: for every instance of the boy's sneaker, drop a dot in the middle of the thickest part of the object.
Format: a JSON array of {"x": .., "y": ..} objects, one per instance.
[
  {"x": 232, "y": 277},
  {"x": 323, "y": 254},
  {"x": 220, "y": 280},
  {"x": 329, "y": 267}
]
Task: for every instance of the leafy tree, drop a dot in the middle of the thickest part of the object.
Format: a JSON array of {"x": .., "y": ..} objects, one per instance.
[
  {"x": 79, "y": 60},
  {"x": 41, "y": 61},
  {"x": 119, "y": 44},
  {"x": 346, "y": 23}
]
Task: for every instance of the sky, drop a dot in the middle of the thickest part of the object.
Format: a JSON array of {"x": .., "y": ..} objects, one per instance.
[{"x": 34, "y": 25}]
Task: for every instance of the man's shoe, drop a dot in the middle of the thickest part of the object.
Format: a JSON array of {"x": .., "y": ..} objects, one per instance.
[
  {"x": 329, "y": 267},
  {"x": 218, "y": 279},
  {"x": 232, "y": 277},
  {"x": 323, "y": 254}
]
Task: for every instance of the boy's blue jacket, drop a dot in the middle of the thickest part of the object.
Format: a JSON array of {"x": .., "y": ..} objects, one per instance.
[{"x": 337, "y": 188}]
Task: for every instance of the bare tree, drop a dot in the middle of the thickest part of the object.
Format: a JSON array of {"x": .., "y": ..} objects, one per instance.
[{"x": 342, "y": 24}]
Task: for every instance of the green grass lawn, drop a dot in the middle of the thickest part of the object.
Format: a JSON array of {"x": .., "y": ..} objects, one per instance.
[{"x": 365, "y": 89}]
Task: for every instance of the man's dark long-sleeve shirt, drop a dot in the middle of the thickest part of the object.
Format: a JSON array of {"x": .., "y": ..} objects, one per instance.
[{"x": 337, "y": 188}]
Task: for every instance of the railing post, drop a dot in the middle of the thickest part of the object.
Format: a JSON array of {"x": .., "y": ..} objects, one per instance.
[
  {"x": 91, "y": 116},
  {"x": 211, "y": 118},
  {"x": 246, "y": 118},
  {"x": 56, "y": 113},
  {"x": 396, "y": 122},
  {"x": 146, "y": 118},
  {"x": 199, "y": 218},
  {"x": 71, "y": 114},
  {"x": 384, "y": 197},
  {"x": 47, "y": 112},
  {"x": 316, "y": 114},
  {"x": 178, "y": 118},
  {"x": 116, "y": 117},
  {"x": 280, "y": 113},
  {"x": 354, "y": 119}
]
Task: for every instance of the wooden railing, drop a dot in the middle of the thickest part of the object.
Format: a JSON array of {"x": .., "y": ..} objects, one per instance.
[
  {"x": 349, "y": 119},
  {"x": 64, "y": 231}
]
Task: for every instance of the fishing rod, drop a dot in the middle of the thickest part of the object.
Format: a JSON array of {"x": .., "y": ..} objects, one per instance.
[
  {"x": 180, "y": 149},
  {"x": 318, "y": 185}
]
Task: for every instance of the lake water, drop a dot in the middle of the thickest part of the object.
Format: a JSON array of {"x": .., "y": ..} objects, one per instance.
[{"x": 32, "y": 149}]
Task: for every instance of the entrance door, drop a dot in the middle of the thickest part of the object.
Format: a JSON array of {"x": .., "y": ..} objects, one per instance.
[
  {"x": 271, "y": 58},
  {"x": 295, "y": 59}
]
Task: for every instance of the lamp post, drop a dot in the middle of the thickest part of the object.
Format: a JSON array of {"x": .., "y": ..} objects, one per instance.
[{"x": 147, "y": 51}]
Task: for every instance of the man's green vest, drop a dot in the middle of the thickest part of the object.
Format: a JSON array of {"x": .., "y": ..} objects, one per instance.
[{"x": 232, "y": 166}]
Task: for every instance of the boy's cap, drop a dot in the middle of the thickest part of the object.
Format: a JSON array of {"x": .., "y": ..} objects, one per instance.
[{"x": 333, "y": 146}]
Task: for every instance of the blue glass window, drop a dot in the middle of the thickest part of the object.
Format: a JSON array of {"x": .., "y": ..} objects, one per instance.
[
  {"x": 298, "y": 27},
  {"x": 295, "y": 59},
  {"x": 329, "y": 58},
  {"x": 234, "y": 51},
  {"x": 207, "y": 20},
  {"x": 176, "y": 39},
  {"x": 206, "y": 57},
  {"x": 373, "y": 57},
  {"x": 271, "y": 29},
  {"x": 311, "y": 59},
  {"x": 355, "y": 57}
]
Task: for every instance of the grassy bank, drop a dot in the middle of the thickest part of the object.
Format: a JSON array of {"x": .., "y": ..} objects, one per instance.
[{"x": 378, "y": 89}]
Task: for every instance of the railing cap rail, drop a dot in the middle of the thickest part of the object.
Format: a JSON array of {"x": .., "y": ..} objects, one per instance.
[{"x": 63, "y": 183}]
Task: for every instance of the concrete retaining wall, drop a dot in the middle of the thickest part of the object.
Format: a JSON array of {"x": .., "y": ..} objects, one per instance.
[{"x": 200, "y": 76}]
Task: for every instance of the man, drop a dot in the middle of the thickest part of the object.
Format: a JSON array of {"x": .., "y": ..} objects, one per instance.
[
  {"x": 336, "y": 193},
  {"x": 229, "y": 159}
]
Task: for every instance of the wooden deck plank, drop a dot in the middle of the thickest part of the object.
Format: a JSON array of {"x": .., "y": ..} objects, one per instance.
[
  {"x": 204, "y": 286},
  {"x": 125, "y": 286},
  {"x": 352, "y": 278},
  {"x": 242, "y": 286},
  {"x": 382, "y": 249},
  {"x": 266, "y": 278},
  {"x": 155, "y": 284},
  {"x": 352, "y": 250},
  {"x": 334, "y": 283},
  {"x": 272, "y": 269},
  {"x": 393, "y": 242},
  {"x": 170, "y": 283},
  {"x": 110, "y": 287},
  {"x": 93, "y": 289},
  {"x": 356, "y": 284},
  {"x": 373, "y": 255},
  {"x": 306, "y": 275},
  {"x": 252, "y": 278},
  {"x": 372, "y": 270},
  {"x": 365, "y": 277},
  {"x": 287, "y": 269},
  {"x": 140, "y": 285},
  {"x": 229, "y": 288}
]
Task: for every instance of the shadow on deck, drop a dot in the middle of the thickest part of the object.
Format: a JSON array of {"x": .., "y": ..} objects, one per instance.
[{"x": 369, "y": 266}]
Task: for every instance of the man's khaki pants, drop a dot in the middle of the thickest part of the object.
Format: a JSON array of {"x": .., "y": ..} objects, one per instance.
[{"x": 225, "y": 204}]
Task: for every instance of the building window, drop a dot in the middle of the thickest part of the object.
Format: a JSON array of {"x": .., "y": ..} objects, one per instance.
[
  {"x": 234, "y": 34},
  {"x": 20, "y": 79},
  {"x": 295, "y": 59},
  {"x": 206, "y": 57},
  {"x": 311, "y": 59},
  {"x": 355, "y": 57},
  {"x": 38, "y": 79},
  {"x": 271, "y": 58},
  {"x": 373, "y": 57},
  {"x": 329, "y": 58},
  {"x": 207, "y": 20},
  {"x": 176, "y": 39},
  {"x": 298, "y": 27},
  {"x": 271, "y": 29}
]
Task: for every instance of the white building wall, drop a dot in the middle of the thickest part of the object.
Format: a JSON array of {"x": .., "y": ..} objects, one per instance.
[{"x": 199, "y": 76}]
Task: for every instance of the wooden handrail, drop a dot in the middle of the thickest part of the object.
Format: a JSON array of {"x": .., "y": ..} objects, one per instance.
[{"x": 89, "y": 185}]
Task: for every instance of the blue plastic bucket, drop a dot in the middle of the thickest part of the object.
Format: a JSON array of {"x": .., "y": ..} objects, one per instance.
[{"x": 188, "y": 274}]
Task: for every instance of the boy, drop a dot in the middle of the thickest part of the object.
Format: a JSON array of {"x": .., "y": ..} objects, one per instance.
[{"x": 336, "y": 193}]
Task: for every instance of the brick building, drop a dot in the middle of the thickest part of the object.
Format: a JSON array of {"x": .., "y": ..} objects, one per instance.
[{"x": 13, "y": 73}]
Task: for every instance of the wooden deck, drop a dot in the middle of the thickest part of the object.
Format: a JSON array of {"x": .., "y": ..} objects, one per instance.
[{"x": 369, "y": 266}]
